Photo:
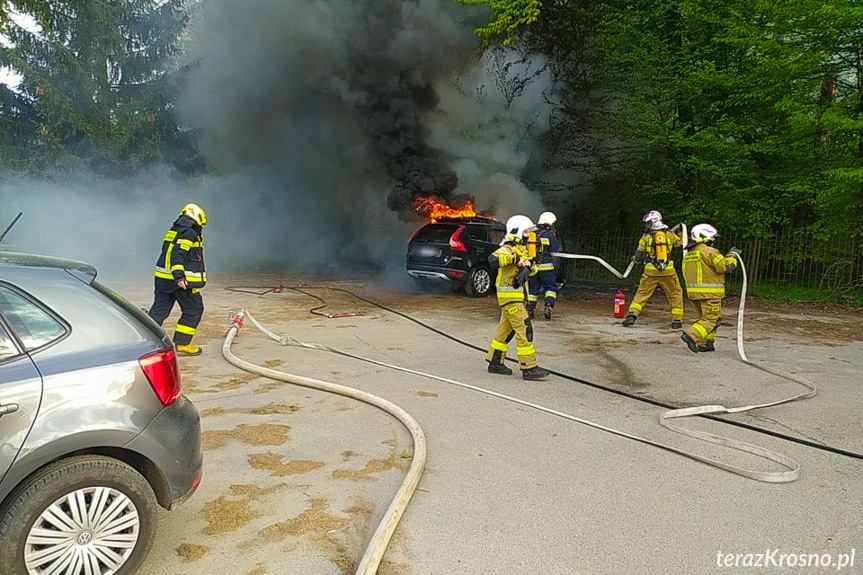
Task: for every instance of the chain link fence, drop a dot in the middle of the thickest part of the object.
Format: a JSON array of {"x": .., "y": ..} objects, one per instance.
[{"x": 793, "y": 266}]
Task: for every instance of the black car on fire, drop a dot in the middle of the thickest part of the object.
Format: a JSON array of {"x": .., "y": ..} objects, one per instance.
[{"x": 455, "y": 251}]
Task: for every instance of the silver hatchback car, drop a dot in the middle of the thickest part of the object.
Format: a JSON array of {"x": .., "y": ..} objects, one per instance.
[{"x": 94, "y": 430}]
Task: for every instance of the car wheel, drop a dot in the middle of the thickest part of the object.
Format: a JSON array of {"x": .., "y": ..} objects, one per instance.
[
  {"x": 81, "y": 516},
  {"x": 479, "y": 282}
]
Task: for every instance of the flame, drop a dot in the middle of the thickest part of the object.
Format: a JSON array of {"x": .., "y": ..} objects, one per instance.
[{"x": 434, "y": 209}]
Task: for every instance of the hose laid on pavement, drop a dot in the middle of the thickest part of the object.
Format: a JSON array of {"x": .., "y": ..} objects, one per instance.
[
  {"x": 792, "y": 468},
  {"x": 793, "y": 471},
  {"x": 380, "y": 539}
]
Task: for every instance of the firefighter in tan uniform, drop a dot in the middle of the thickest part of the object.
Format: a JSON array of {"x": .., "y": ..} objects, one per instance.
[
  {"x": 654, "y": 250},
  {"x": 704, "y": 269},
  {"x": 513, "y": 266}
]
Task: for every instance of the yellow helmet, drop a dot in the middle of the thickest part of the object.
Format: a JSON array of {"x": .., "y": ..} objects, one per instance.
[{"x": 195, "y": 212}]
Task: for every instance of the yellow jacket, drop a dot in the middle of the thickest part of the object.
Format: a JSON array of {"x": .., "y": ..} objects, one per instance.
[
  {"x": 508, "y": 256},
  {"x": 647, "y": 245},
  {"x": 704, "y": 269}
]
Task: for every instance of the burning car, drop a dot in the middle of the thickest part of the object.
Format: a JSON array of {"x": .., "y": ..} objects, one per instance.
[{"x": 453, "y": 248}]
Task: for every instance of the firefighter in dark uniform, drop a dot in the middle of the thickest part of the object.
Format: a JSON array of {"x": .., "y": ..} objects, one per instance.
[
  {"x": 544, "y": 283},
  {"x": 512, "y": 266},
  {"x": 180, "y": 276}
]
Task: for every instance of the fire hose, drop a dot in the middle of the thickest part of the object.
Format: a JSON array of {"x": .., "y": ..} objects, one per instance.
[{"x": 380, "y": 539}]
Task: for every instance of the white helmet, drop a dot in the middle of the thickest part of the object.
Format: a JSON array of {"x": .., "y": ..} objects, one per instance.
[
  {"x": 653, "y": 221},
  {"x": 547, "y": 219},
  {"x": 515, "y": 228},
  {"x": 703, "y": 233}
]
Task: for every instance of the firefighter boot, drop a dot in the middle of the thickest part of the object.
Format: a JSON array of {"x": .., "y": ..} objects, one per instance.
[
  {"x": 676, "y": 324},
  {"x": 708, "y": 346},
  {"x": 189, "y": 349},
  {"x": 496, "y": 365},
  {"x": 690, "y": 343},
  {"x": 546, "y": 313},
  {"x": 534, "y": 373},
  {"x": 630, "y": 319}
]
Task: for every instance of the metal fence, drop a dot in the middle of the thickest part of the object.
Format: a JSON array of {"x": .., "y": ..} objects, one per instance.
[{"x": 830, "y": 268}]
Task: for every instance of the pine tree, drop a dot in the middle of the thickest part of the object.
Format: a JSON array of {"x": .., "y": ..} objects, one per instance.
[{"x": 95, "y": 88}]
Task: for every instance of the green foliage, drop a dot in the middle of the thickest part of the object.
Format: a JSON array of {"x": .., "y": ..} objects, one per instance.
[
  {"x": 96, "y": 91},
  {"x": 508, "y": 17},
  {"x": 744, "y": 113}
]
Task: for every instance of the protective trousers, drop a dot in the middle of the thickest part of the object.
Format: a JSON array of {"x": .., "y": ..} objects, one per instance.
[
  {"x": 670, "y": 287},
  {"x": 191, "y": 306},
  {"x": 543, "y": 284},
  {"x": 513, "y": 322},
  {"x": 709, "y": 312}
]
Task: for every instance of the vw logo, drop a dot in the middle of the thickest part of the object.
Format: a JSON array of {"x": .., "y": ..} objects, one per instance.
[{"x": 85, "y": 538}]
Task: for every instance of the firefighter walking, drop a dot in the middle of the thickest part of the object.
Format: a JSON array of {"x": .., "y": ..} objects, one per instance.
[
  {"x": 180, "y": 276},
  {"x": 512, "y": 264},
  {"x": 544, "y": 283},
  {"x": 704, "y": 269},
  {"x": 654, "y": 251}
]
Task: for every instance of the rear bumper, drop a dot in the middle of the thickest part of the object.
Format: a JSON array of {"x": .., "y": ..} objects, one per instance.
[
  {"x": 172, "y": 441},
  {"x": 437, "y": 274}
]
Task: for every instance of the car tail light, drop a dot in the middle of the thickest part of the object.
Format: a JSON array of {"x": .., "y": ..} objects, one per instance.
[
  {"x": 162, "y": 371},
  {"x": 456, "y": 274},
  {"x": 455, "y": 243}
]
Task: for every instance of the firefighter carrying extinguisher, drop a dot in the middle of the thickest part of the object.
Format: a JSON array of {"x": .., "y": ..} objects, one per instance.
[
  {"x": 544, "y": 283},
  {"x": 512, "y": 264},
  {"x": 180, "y": 276},
  {"x": 654, "y": 250}
]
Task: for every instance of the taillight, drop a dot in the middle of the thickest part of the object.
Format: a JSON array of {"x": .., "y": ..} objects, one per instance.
[
  {"x": 455, "y": 243},
  {"x": 163, "y": 373}
]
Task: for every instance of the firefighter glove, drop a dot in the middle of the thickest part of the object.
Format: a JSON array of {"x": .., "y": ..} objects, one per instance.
[{"x": 521, "y": 277}]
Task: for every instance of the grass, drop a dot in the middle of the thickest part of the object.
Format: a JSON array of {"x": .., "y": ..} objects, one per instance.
[{"x": 800, "y": 294}]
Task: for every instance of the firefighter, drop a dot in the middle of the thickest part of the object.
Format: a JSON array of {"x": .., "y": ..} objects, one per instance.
[
  {"x": 512, "y": 264},
  {"x": 544, "y": 283},
  {"x": 180, "y": 276},
  {"x": 654, "y": 251},
  {"x": 704, "y": 269}
]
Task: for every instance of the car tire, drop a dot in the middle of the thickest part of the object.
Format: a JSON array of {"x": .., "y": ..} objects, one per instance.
[
  {"x": 94, "y": 484},
  {"x": 479, "y": 282}
]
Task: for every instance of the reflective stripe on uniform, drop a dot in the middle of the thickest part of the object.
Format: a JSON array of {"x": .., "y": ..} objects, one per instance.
[
  {"x": 527, "y": 350},
  {"x": 675, "y": 311},
  {"x": 702, "y": 331},
  {"x": 636, "y": 306},
  {"x": 531, "y": 297},
  {"x": 185, "y": 329},
  {"x": 551, "y": 294},
  {"x": 170, "y": 236},
  {"x": 545, "y": 241},
  {"x": 545, "y": 267},
  {"x": 163, "y": 275},
  {"x": 178, "y": 267},
  {"x": 498, "y": 345},
  {"x": 670, "y": 266},
  {"x": 718, "y": 291}
]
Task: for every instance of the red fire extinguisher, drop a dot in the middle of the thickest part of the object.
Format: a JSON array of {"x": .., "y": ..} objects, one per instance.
[{"x": 619, "y": 304}]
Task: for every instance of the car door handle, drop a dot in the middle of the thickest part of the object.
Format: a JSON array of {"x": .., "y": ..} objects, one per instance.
[{"x": 8, "y": 408}]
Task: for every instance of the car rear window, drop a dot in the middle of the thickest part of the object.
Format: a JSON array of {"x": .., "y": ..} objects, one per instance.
[
  {"x": 435, "y": 233},
  {"x": 130, "y": 308},
  {"x": 34, "y": 326}
]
